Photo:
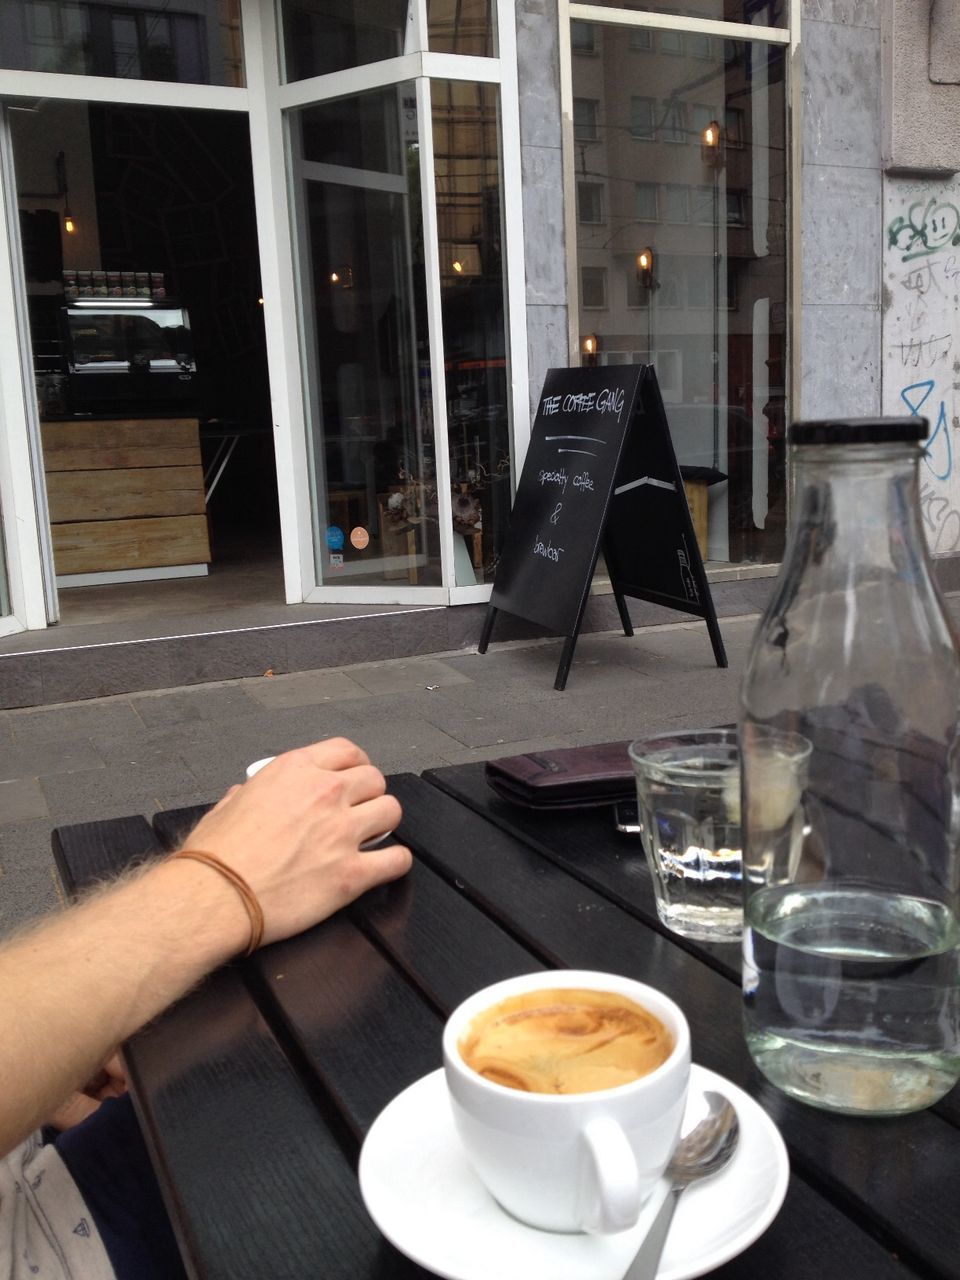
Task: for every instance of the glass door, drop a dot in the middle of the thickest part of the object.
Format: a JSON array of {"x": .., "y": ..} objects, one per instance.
[
  {"x": 409, "y": 283},
  {"x": 364, "y": 335}
]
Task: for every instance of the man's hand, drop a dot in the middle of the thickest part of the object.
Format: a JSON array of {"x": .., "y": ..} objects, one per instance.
[
  {"x": 293, "y": 832},
  {"x": 86, "y": 980}
]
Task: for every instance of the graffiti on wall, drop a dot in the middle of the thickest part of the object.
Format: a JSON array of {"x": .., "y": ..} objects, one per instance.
[{"x": 921, "y": 338}]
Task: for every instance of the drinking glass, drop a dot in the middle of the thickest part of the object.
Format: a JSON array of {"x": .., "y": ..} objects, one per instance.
[{"x": 688, "y": 794}]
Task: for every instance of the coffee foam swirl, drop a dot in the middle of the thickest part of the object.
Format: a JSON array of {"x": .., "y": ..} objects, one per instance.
[{"x": 565, "y": 1041}]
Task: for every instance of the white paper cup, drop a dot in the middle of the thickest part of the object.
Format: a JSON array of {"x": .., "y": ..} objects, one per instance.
[{"x": 577, "y": 1161}]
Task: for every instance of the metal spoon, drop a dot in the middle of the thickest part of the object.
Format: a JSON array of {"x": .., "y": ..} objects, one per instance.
[{"x": 699, "y": 1154}]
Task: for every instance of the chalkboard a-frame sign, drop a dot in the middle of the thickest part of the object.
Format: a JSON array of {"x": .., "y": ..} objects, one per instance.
[{"x": 600, "y": 474}]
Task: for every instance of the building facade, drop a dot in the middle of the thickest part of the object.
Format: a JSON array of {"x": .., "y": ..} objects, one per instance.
[{"x": 284, "y": 279}]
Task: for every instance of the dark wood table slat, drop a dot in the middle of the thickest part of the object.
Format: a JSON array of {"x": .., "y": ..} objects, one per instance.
[
  {"x": 258, "y": 1184},
  {"x": 174, "y": 825},
  {"x": 87, "y": 853},
  {"x": 586, "y": 843},
  {"x": 573, "y": 926},
  {"x": 438, "y": 938},
  {"x": 364, "y": 1030}
]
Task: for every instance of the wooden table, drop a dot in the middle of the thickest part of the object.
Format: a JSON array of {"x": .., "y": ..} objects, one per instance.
[{"x": 256, "y": 1091}]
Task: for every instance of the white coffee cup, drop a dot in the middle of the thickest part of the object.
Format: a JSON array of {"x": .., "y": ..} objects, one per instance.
[
  {"x": 576, "y": 1161},
  {"x": 373, "y": 843}
]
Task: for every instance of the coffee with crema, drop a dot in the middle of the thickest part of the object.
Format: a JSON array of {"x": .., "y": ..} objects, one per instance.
[{"x": 565, "y": 1041}]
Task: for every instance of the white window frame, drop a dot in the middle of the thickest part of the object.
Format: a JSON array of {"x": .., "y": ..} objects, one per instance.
[
  {"x": 265, "y": 101},
  {"x": 421, "y": 68}
]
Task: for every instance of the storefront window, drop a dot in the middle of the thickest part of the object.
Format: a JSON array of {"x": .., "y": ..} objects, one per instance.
[
  {"x": 320, "y": 36},
  {"x": 357, "y": 187},
  {"x": 466, "y": 130},
  {"x": 688, "y": 269},
  {"x": 462, "y": 26},
  {"x": 758, "y": 13},
  {"x": 195, "y": 43}
]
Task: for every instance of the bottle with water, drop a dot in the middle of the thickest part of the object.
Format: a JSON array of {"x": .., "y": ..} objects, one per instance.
[{"x": 850, "y": 943}]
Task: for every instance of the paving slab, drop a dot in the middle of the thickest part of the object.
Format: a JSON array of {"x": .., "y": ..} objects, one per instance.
[
  {"x": 210, "y": 702},
  {"x": 304, "y": 688},
  {"x": 50, "y": 756},
  {"x": 97, "y": 719},
  {"x": 22, "y": 798},
  {"x": 404, "y": 676}
]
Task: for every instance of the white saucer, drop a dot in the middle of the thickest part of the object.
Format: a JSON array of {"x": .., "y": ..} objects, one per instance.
[{"x": 426, "y": 1199}]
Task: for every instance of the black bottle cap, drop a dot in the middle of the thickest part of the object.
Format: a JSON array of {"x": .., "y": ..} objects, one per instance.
[{"x": 858, "y": 431}]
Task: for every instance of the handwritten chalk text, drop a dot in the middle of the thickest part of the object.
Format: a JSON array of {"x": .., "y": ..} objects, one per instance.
[
  {"x": 609, "y": 400},
  {"x": 547, "y": 550},
  {"x": 554, "y": 477}
]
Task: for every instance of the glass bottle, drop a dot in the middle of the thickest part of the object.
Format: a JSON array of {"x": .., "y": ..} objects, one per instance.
[{"x": 850, "y": 947}]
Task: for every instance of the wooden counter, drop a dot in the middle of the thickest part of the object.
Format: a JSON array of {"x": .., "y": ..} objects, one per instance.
[{"x": 125, "y": 495}]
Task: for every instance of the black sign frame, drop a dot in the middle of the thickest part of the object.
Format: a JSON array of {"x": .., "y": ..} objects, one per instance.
[{"x": 600, "y": 474}]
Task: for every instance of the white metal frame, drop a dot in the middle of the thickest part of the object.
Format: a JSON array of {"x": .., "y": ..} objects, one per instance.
[
  {"x": 421, "y": 68},
  {"x": 29, "y": 557}
]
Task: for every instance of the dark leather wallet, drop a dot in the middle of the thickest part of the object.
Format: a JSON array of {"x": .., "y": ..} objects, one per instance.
[{"x": 571, "y": 778}]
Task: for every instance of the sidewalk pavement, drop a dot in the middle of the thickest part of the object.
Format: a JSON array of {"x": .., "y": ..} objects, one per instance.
[{"x": 143, "y": 752}]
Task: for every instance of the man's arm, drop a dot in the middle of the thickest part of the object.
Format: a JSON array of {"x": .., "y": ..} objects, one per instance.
[{"x": 81, "y": 983}]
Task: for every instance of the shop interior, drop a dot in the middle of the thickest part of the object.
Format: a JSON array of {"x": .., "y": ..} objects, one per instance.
[{"x": 146, "y": 322}]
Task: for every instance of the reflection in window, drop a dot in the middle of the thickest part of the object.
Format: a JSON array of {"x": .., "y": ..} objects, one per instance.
[
  {"x": 320, "y": 36},
  {"x": 583, "y": 37},
  {"x": 640, "y": 38},
  {"x": 715, "y": 222},
  {"x": 671, "y": 41},
  {"x": 702, "y": 116},
  {"x": 366, "y": 354},
  {"x": 670, "y": 280},
  {"x": 466, "y": 142},
  {"x": 585, "y": 119},
  {"x": 736, "y": 208},
  {"x": 641, "y": 117},
  {"x": 699, "y": 278},
  {"x": 590, "y": 201},
  {"x": 674, "y": 121},
  {"x": 703, "y": 206},
  {"x": 677, "y": 203},
  {"x": 593, "y": 286},
  {"x": 198, "y": 43},
  {"x": 733, "y": 125},
  {"x": 698, "y": 45},
  {"x": 646, "y": 201},
  {"x": 462, "y": 26}
]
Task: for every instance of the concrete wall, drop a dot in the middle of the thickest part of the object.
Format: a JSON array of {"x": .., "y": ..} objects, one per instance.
[
  {"x": 920, "y": 245},
  {"x": 841, "y": 208},
  {"x": 544, "y": 241},
  {"x": 921, "y": 336}
]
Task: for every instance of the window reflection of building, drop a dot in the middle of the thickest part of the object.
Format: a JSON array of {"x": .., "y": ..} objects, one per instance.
[
  {"x": 469, "y": 227},
  {"x": 198, "y": 42},
  {"x": 716, "y": 299}
]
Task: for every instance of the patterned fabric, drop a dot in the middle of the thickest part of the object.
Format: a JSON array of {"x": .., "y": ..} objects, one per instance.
[{"x": 46, "y": 1230}]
